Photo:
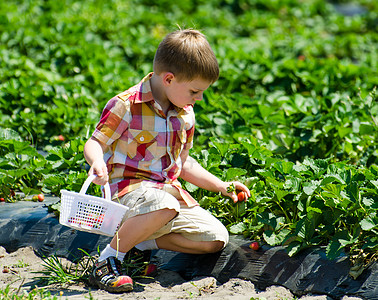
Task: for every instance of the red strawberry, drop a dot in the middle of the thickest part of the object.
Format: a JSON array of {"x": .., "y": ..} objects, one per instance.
[
  {"x": 254, "y": 246},
  {"x": 241, "y": 196}
]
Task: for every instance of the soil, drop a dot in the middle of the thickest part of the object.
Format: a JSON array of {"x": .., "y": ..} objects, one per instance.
[{"x": 24, "y": 265}]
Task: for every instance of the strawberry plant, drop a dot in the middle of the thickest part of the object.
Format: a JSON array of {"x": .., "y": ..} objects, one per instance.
[
  {"x": 25, "y": 169},
  {"x": 316, "y": 202}
]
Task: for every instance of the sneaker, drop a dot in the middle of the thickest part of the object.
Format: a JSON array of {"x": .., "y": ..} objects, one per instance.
[
  {"x": 138, "y": 255},
  {"x": 150, "y": 270},
  {"x": 107, "y": 276},
  {"x": 145, "y": 256}
]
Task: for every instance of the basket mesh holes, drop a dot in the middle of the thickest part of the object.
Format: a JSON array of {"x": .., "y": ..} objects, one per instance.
[{"x": 88, "y": 214}]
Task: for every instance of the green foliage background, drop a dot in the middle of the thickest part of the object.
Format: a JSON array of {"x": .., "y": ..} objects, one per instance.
[{"x": 293, "y": 114}]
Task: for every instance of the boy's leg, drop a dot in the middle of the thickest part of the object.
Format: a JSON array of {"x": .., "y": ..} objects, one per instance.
[
  {"x": 177, "y": 242},
  {"x": 147, "y": 214},
  {"x": 107, "y": 273},
  {"x": 138, "y": 228},
  {"x": 157, "y": 215},
  {"x": 194, "y": 231},
  {"x": 150, "y": 209},
  {"x": 154, "y": 215}
]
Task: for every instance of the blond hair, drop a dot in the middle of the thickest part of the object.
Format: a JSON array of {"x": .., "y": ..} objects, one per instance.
[{"x": 188, "y": 55}]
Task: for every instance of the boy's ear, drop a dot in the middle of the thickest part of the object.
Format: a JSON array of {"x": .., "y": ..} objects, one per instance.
[{"x": 168, "y": 77}]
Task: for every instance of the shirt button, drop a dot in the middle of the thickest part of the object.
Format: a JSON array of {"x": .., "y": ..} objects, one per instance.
[{"x": 141, "y": 138}]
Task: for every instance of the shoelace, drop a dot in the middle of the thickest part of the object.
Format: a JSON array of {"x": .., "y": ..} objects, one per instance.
[{"x": 115, "y": 267}]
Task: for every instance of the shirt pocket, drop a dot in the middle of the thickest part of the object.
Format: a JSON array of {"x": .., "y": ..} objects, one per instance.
[{"x": 142, "y": 144}]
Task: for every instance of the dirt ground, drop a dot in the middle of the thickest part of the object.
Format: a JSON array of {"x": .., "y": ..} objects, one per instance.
[{"x": 24, "y": 263}]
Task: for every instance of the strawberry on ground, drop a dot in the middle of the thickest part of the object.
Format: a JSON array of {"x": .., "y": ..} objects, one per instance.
[{"x": 254, "y": 246}]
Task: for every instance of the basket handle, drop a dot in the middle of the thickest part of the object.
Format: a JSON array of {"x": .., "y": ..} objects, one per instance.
[{"x": 88, "y": 182}]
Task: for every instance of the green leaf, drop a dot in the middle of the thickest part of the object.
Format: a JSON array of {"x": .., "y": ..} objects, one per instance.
[
  {"x": 310, "y": 187},
  {"x": 16, "y": 174},
  {"x": 221, "y": 147},
  {"x": 52, "y": 180},
  {"x": 294, "y": 247},
  {"x": 280, "y": 194},
  {"x": 371, "y": 242},
  {"x": 367, "y": 129},
  {"x": 238, "y": 228},
  {"x": 29, "y": 191},
  {"x": 332, "y": 178},
  {"x": 368, "y": 223},
  {"x": 368, "y": 202},
  {"x": 273, "y": 238},
  {"x": 305, "y": 229},
  {"x": 333, "y": 249},
  {"x": 353, "y": 191},
  {"x": 292, "y": 184},
  {"x": 223, "y": 129},
  {"x": 375, "y": 183},
  {"x": 271, "y": 220},
  {"x": 233, "y": 173},
  {"x": 339, "y": 241},
  {"x": 268, "y": 78},
  {"x": 343, "y": 131},
  {"x": 332, "y": 190},
  {"x": 284, "y": 167},
  {"x": 9, "y": 134},
  {"x": 53, "y": 157},
  {"x": 314, "y": 209},
  {"x": 191, "y": 187}
]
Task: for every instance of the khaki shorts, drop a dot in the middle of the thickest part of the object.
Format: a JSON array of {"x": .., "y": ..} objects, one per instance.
[{"x": 194, "y": 223}]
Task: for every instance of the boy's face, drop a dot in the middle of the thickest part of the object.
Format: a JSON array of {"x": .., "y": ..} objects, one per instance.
[{"x": 183, "y": 93}]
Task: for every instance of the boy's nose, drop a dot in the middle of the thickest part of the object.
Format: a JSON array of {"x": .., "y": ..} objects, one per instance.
[{"x": 199, "y": 97}]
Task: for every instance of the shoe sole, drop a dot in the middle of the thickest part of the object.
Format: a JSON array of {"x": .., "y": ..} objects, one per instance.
[{"x": 127, "y": 287}]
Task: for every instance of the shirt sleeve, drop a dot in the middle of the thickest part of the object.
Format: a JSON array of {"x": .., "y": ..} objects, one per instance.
[
  {"x": 115, "y": 119},
  {"x": 189, "y": 127},
  {"x": 189, "y": 138}
]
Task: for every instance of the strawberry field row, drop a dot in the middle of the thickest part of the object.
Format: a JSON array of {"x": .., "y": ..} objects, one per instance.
[{"x": 293, "y": 115}]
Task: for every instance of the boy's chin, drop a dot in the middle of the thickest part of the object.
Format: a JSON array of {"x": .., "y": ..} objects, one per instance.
[{"x": 182, "y": 106}]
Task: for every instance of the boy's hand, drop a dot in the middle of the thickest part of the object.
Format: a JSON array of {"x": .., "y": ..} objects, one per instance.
[
  {"x": 99, "y": 168},
  {"x": 235, "y": 186}
]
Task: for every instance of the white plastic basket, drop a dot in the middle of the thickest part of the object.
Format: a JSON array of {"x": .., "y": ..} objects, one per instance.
[{"x": 89, "y": 213}]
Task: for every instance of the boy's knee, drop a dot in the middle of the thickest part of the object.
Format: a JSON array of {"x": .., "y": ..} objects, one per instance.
[
  {"x": 221, "y": 242},
  {"x": 215, "y": 246},
  {"x": 169, "y": 213}
]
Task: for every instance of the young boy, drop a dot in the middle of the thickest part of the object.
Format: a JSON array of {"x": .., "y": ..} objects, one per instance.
[{"x": 141, "y": 146}]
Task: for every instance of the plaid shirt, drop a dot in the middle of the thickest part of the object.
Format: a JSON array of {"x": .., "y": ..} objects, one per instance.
[{"x": 144, "y": 143}]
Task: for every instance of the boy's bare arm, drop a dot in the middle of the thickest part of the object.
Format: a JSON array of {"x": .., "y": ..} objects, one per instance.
[
  {"x": 194, "y": 173},
  {"x": 94, "y": 154}
]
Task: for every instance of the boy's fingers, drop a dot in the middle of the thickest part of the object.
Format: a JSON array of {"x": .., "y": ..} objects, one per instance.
[
  {"x": 234, "y": 197},
  {"x": 243, "y": 188},
  {"x": 99, "y": 172},
  {"x": 101, "y": 178},
  {"x": 100, "y": 181}
]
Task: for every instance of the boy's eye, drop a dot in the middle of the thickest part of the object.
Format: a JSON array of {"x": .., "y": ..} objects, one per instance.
[{"x": 194, "y": 92}]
